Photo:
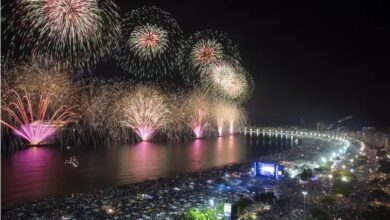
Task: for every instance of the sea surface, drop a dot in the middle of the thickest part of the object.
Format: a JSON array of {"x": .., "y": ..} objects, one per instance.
[{"x": 38, "y": 172}]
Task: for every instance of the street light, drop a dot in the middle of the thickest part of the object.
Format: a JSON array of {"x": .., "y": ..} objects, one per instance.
[
  {"x": 211, "y": 202},
  {"x": 304, "y": 204},
  {"x": 330, "y": 179}
]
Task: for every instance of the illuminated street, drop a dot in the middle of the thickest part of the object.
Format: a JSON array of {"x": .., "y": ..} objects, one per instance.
[{"x": 167, "y": 197}]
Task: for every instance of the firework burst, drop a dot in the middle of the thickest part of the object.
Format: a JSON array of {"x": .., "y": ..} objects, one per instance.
[
  {"x": 145, "y": 110},
  {"x": 93, "y": 105},
  {"x": 73, "y": 33},
  {"x": 95, "y": 102},
  {"x": 148, "y": 42},
  {"x": 228, "y": 80},
  {"x": 198, "y": 106},
  {"x": 206, "y": 52},
  {"x": 35, "y": 126},
  {"x": 36, "y": 80},
  {"x": 201, "y": 50},
  {"x": 149, "y": 46}
]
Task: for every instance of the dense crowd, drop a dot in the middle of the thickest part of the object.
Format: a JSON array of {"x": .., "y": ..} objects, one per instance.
[{"x": 166, "y": 198}]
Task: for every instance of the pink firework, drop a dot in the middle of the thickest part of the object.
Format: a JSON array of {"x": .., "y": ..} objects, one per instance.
[
  {"x": 231, "y": 127},
  {"x": 199, "y": 120},
  {"x": 197, "y": 108},
  {"x": 205, "y": 54},
  {"x": 145, "y": 132},
  {"x": 198, "y": 130},
  {"x": 35, "y": 127},
  {"x": 36, "y": 132},
  {"x": 149, "y": 39},
  {"x": 220, "y": 129},
  {"x": 71, "y": 18}
]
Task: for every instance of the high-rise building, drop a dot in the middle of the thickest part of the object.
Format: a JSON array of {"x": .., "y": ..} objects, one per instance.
[
  {"x": 369, "y": 135},
  {"x": 321, "y": 126}
]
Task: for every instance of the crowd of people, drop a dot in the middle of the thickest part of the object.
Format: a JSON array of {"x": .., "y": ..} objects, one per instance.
[
  {"x": 169, "y": 197},
  {"x": 166, "y": 198}
]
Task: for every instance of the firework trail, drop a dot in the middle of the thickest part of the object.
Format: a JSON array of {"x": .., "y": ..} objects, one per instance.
[
  {"x": 74, "y": 34},
  {"x": 150, "y": 42},
  {"x": 197, "y": 106},
  {"x": 227, "y": 115},
  {"x": 35, "y": 127},
  {"x": 33, "y": 79},
  {"x": 222, "y": 113},
  {"x": 60, "y": 36},
  {"x": 96, "y": 101},
  {"x": 238, "y": 118},
  {"x": 145, "y": 110},
  {"x": 93, "y": 105}
]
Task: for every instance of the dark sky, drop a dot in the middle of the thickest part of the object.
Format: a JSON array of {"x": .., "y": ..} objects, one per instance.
[{"x": 316, "y": 60}]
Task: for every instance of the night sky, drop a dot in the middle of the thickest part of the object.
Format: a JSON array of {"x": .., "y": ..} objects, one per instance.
[{"x": 311, "y": 60}]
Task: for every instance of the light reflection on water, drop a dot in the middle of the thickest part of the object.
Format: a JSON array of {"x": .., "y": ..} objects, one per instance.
[{"x": 37, "y": 172}]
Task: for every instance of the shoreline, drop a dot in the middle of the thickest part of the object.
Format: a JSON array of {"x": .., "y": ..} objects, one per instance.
[
  {"x": 177, "y": 190},
  {"x": 162, "y": 178}
]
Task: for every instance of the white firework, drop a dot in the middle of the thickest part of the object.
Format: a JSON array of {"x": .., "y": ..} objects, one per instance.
[
  {"x": 225, "y": 77},
  {"x": 228, "y": 80},
  {"x": 145, "y": 111},
  {"x": 148, "y": 41},
  {"x": 70, "y": 19},
  {"x": 69, "y": 33}
]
